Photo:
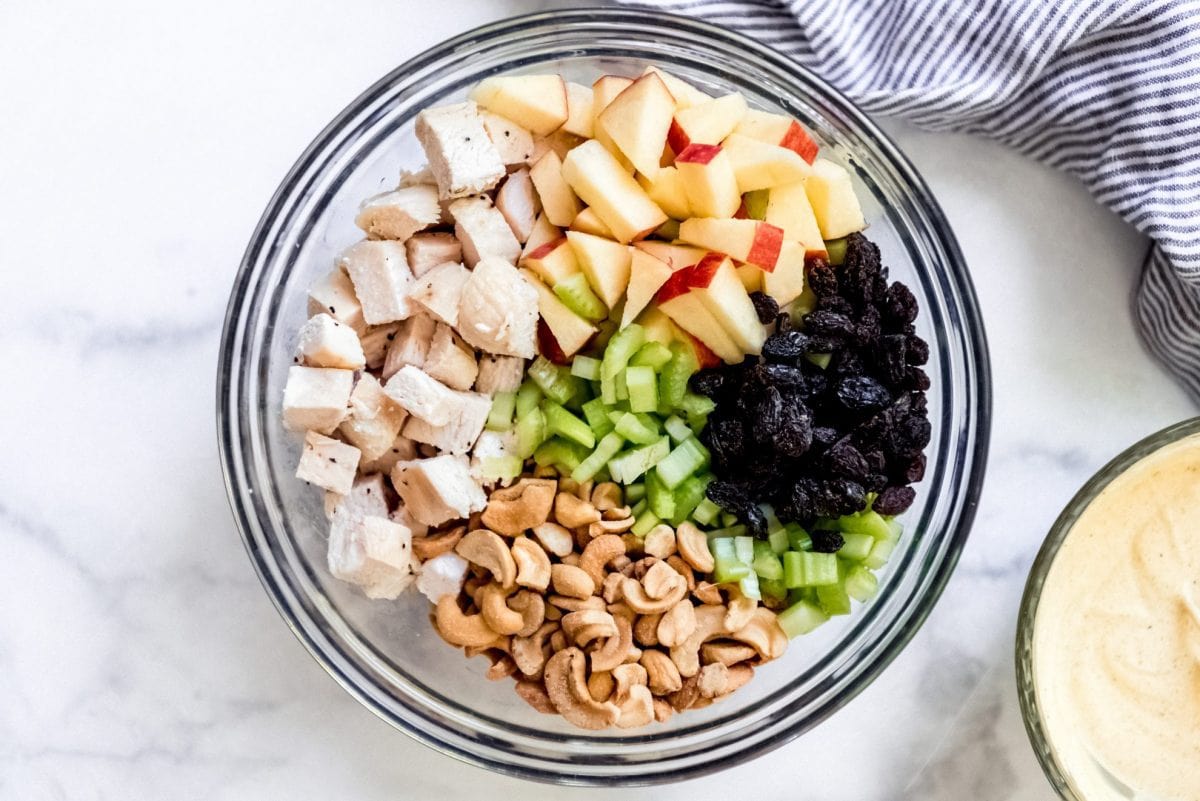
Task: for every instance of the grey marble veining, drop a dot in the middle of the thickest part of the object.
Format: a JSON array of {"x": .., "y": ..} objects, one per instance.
[{"x": 139, "y": 656}]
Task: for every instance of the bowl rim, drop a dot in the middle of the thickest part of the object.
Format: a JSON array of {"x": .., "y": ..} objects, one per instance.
[{"x": 974, "y": 346}]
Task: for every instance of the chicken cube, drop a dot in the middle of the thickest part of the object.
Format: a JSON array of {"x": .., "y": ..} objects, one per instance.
[
  {"x": 333, "y": 294},
  {"x": 316, "y": 398},
  {"x": 513, "y": 143},
  {"x": 329, "y": 463},
  {"x": 440, "y": 290},
  {"x": 400, "y": 213},
  {"x": 421, "y": 177},
  {"x": 372, "y": 552},
  {"x": 324, "y": 342},
  {"x": 380, "y": 274},
  {"x": 499, "y": 374},
  {"x": 499, "y": 310},
  {"x": 450, "y": 359},
  {"x": 482, "y": 230},
  {"x": 367, "y": 497},
  {"x": 375, "y": 419},
  {"x": 492, "y": 445},
  {"x": 438, "y": 489},
  {"x": 424, "y": 396},
  {"x": 459, "y": 433},
  {"x": 519, "y": 204},
  {"x": 376, "y": 342},
  {"x": 442, "y": 575},
  {"x": 426, "y": 251},
  {"x": 410, "y": 345},
  {"x": 461, "y": 154},
  {"x": 402, "y": 449}
]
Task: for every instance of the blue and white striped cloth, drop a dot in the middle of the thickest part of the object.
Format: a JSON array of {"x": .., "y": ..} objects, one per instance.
[{"x": 1107, "y": 90}]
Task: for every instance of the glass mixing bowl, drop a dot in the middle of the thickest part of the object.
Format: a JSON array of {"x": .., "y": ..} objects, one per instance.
[{"x": 386, "y": 654}]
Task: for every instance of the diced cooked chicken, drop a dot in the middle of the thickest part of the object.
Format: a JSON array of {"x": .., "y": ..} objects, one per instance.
[
  {"x": 482, "y": 230},
  {"x": 417, "y": 177},
  {"x": 426, "y": 251},
  {"x": 401, "y": 516},
  {"x": 458, "y": 434},
  {"x": 333, "y": 294},
  {"x": 491, "y": 445},
  {"x": 461, "y": 154},
  {"x": 442, "y": 575},
  {"x": 440, "y": 290},
  {"x": 324, "y": 342},
  {"x": 380, "y": 274},
  {"x": 375, "y": 419},
  {"x": 519, "y": 204},
  {"x": 400, "y": 213},
  {"x": 372, "y": 552},
  {"x": 424, "y": 396},
  {"x": 499, "y": 310},
  {"x": 316, "y": 398},
  {"x": 328, "y": 463},
  {"x": 450, "y": 359},
  {"x": 438, "y": 489},
  {"x": 402, "y": 449},
  {"x": 499, "y": 374},
  {"x": 367, "y": 497},
  {"x": 410, "y": 345},
  {"x": 376, "y": 342},
  {"x": 513, "y": 143}
]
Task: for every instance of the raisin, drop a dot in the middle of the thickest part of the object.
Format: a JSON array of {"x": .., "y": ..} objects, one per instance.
[
  {"x": 765, "y": 306},
  {"x": 726, "y": 438},
  {"x": 755, "y": 520},
  {"x": 846, "y": 460},
  {"x": 821, "y": 278},
  {"x": 826, "y": 541},
  {"x": 824, "y": 436},
  {"x": 891, "y": 359},
  {"x": 783, "y": 322},
  {"x": 894, "y": 500},
  {"x": 914, "y": 471},
  {"x": 828, "y": 323},
  {"x": 785, "y": 346},
  {"x": 780, "y": 375},
  {"x": 794, "y": 436},
  {"x": 835, "y": 305},
  {"x": 918, "y": 350},
  {"x": 917, "y": 379},
  {"x": 900, "y": 307},
  {"x": 862, "y": 393},
  {"x": 728, "y": 495},
  {"x": 707, "y": 382}
]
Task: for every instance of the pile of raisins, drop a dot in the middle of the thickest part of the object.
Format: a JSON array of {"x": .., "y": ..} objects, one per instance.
[{"x": 813, "y": 441}]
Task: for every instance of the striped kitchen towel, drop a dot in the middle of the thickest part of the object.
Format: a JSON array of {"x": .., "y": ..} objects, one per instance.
[{"x": 1107, "y": 90}]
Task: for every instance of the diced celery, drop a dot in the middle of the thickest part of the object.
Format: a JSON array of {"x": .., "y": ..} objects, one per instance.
[
  {"x": 726, "y": 565},
  {"x": 501, "y": 468},
  {"x": 778, "y": 540},
  {"x": 766, "y": 564},
  {"x": 833, "y": 599},
  {"x": 819, "y": 359},
  {"x": 836, "y": 249},
  {"x": 686, "y": 459},
  {"x": 728, "y": 518},
  {"x": 706, "y": 512},
  {"x": 620, "y": 350},
  {"x": 772, "y": 588},
  {"x": 662, "y": 502},
  {"x": 773, "y": 523},
  {"x": 677, "y": 428},
  {"x": 596, "y": 414},
  {"x": 894, "y": 529},
  {"x": 694, "y": 405},
  {"x": 531, "y": 432},
  {"x": 867, "y": 522},
  {"x": 627, "y": 467},
  {"x": 749, "y": 586},
  {"x": 606, "y": 449},
  {"x": 687, "y": 496},
  {"x": 881, "y": 551},
  {"x": 729, "y": 531},
  {"x": 586, "y": 367},
  {"x": 798, "y": 539},
  {"x": 808, "y": 569},
  {"x": 500, "y": 418},
  {"x": 622, "y": 387},
  {"x": 756, "y": 204},
  {"x": 577, "y": 296},
  {"x": 634, "y": 428},
  {"x": 861, "y": 584},
  {"x": 528, "y": 398},
  {"x": 643, "y": 388},
  {"x": 856, "y": 546},
  {"x": 634, "y": 493},
  {"x": 744, "y": 547},
  {"x": 800, "y": 618},
  {"x": 652, "y": 354},
  {"x": 639, "y": 506},
  {"x": 674, "y": 375},
  {"x": 553, "y": 380},
  {"x": 560, "y": 421},
  {"x": 644, "y": 522}
]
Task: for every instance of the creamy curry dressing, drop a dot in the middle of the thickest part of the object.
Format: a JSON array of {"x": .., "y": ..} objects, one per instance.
[{"x": 1116, "y": 644}]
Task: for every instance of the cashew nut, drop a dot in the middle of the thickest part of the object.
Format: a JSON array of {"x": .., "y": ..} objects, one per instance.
[
  {"x": 741, "y": 609},
  {"x": 529, "y": 653},
  {"x": 617, "y": 526},
  {"x": 600, "y": 685},
  {"x": 583, "y": 490},
  {"x": 763, "y": 634},
  {"x": 567, "y": 687},
  {"x": 502, "y": 666},
  {"x": 532, "y": 608},
  {"x": 693, "y": 546},
  {"x": 558, "y": 641},
  {"x": 607, "y": 495},
  {"x": 554, "y": 538},
  {"x": 615, "y": 649},
  {"x": 486, "y": 549},
  {"x": 738, "y": 676},
  {"x": 638, "y": 708},
  {"x": 708, "y": 593},
  {"x": 682, "y": 568},
  {"x": 710, "y": 623},
  {"x": 662, "y": 710},
  {"x": 661, "y": 674},
  {"x": 569, "y": 604},
  {"x": 661, "y": 579},
  {"x": 727, "y": 653},
  {"x": 533, "y": 565},
  {"x": 459, "y": 629},
  {"x": 659, "y": 541},
  {"x": 493, "y": 605},
  {"x": 627, "y": 677},
  {"x": 572, "y": 581},
  {"x": 598, "y": 553},
  {"x": 610, "y": 590},
  {"x": 685, "y": 697},
  {"x": 438, "y": 543},
  {"x": 645, "y": 629},
  {"x": 589, "y": 624},
  {"x": 534, "y": 693},
  {"x": 713, "y": 679},
  {"x": 677, "y": 624},
  {"x": 524, "y": 505},
  {"x": 634, "y": 594},
  {"x": 572, "y": 512}
]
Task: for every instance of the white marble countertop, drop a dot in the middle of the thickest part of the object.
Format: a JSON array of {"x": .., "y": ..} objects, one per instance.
[{"x": 140, "y": 657}]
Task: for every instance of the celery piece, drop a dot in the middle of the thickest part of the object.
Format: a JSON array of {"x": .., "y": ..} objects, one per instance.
[
  {"x": 706, "y": 512},
  {"x": 804, "y": 304},
  {"x": 867, "y": 522},
  {"x": 766, "y": 564},
  {"x": 501, "y": 468},
  {"x": 800, "y": 618},
  {"x": 644, "y": 522},
  {"x": 856, "y": 546},
  {"x": 640, "y": 505},
  {"x": 586, "y": 367},
  {"x": 688, "y": 458},
  {"x": 674, "y": 375},
  {"x": 577, "y": 296},
  {"x": 772, "y": 588},
  {"x": 662, "y": 502},
  {"x": 620, "y": 350},
  {"x": 529, "y": 397},
  {"x": 627, "y": 467},
  {"x": 596, "y": 414},
  {"x": 773, "y": 523},
  {"x": 819, "y": 359},
  {"x": 687, "y": 496},
  {"x": 561, "y": 453},
  {"x": 798, "y": 539},
  {"x": 694, "y": 405},
  {"x": 728, "y": 518},
  {"x": 744, "y": 545},
  {"x": 778, "y": 540},
  {"x": 622, "y": 387},
  {"x": 531, "y": 432},
  {"x": 634, "y": 493},
  {"x": 749, "y": 586},
  {"x": 726, "y": 565},
  {"x": 836, "y": 248},
  {"x": 560, "y": 421},
  {"x": 756, "y": 203},
  {"x": 881, "y": 551},
  {"x": 643, "y": 388},
  {"x": 818, "y": 569},
  {"x": 606, "y": 449},
  {"x": 861, "y": 584},
  {"x": 553, "y": 380},
  {"x": 833, "y": 600},
  {"x": 678, "y": 429},
  {"x": 894, "y": 529},
  {"x": 500, "y": 418},
  {"x": 633, "y": 427},
  {"x": 729, "y": 531},
  {"x": 652, "y": 354},
  {"x": 793, "y": 569}
]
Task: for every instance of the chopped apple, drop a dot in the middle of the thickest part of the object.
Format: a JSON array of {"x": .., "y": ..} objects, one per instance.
[
  {"x": 684, "y": 93},
  {"x": 776, "y": 129},
  {"x": 751, "y": 277},
  {"x": 658, "y": 326},
  {"x": 570, "y": 331},
  {"x": 612, "y": 193},
  {"x": 589, "y": 222},
  {"x": 580, "y": 115},
  {"x": 786, "y": 281},
  {"x": 535, "y": 102},
  {"x": 713, "y": 279},
  {"x": 558, "y": 200},
  {"x": 760, "y": 165},
  {"x": 708, "y": 181},
  {"x": 687, "y": 309},
  {"x": 646, "y": 275},
  {"x": 706, "y": 124},
  {"x": 704, "y": 355},
  {"x": 751, "y": 241},
  {"x": 788, "y": 208},
  {"x": 560, "y": 142},
  {"x": 637, "y": 121},
  {"x": 666, "y": 189},
  {"x": 604, "y": 90},
  {"x": 543, "y": 231},
  {"x": 553, "y": 261},
  {"x": 674, "y": 256},
  {"x": 833, "y": 200},
  {"x": 605, "y": 263}
]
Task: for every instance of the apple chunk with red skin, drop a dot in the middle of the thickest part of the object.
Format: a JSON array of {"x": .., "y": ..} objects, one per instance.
[
  {"x": 707, "y": 123},
  {"x": 708, "y": 294},
  {"x": 751, "y": 241},
  {"x": 618, "y": 200},
  {"x": 709, "y": 180},
  {"x": 553, "y": 261},
  {"x": 570, "y": 331},
  {"x": 776, "y": 129},
  {"x": 637, "y": 121}
]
